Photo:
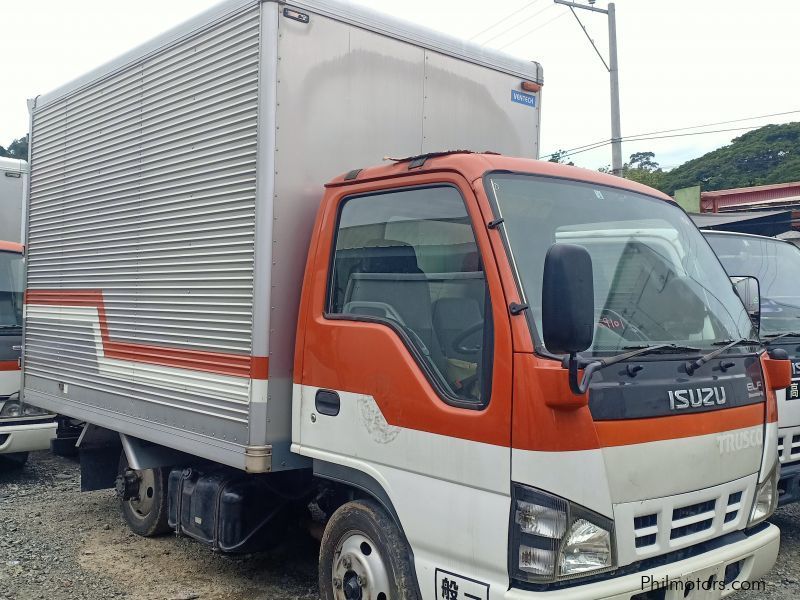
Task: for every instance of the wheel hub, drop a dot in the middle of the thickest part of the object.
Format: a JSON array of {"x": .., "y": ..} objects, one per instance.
[
  {"x": 143, "y": 498},
  {"x": 352, "y": 591},
  {"x": 127, "y": 485},
  {"x": 359, "y": 571}
]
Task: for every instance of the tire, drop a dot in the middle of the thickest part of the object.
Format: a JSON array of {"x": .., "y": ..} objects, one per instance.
[
  {"x": 362, "y": 542},
  {"x": 148, "y": 515},
  {"x": 15, "y": 460}
]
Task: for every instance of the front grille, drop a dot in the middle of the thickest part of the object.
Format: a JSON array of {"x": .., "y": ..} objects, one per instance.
[
  {"x": 661, "y": 525},
  {"x": 687, "y": 512},
  {"x": 734, "y": 504},
  {"x": 646, "y": 529},
  {"x": 694, "y": 518},
  {"x": 789, "y": 445}
]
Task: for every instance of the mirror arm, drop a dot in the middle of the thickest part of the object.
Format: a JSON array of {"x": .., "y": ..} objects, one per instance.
[{"x": 580, "y": 387}]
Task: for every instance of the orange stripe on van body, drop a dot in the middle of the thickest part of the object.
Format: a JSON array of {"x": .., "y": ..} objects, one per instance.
[
  {"x": 15, "y": 247},
  {"x": 9, "y": 365},
  {"x": 237, "y": 365}
]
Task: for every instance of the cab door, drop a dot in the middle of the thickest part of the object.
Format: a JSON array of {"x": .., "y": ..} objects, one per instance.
[{"x": 403, "y": 371}]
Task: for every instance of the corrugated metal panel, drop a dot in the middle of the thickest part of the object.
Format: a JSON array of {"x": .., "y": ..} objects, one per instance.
[
  {"x": 765, "y": 195},
  {"x": 143, "y": 187}
]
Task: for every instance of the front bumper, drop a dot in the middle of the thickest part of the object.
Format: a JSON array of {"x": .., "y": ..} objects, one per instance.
[
  {"x": 757, "y": 553},
  {"x": 789, "y": 484},
  {"x": 27, "y": 437}
]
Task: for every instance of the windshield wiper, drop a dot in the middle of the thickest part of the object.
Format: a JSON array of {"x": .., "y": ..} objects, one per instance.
[
  {"x": 661, "y": 349},
  {"x": 592, "y": 367},
  {"x": 771, "y": 337},
  {"x": 725, "y": 345}
]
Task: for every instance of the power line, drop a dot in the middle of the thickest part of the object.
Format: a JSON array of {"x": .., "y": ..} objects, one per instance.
[
  {"x": 675, "y": 135},
  {"x": 506, "y": 18},
  {"x": 527, "y": 33},
  {"x": 633, "y": 137},
  {"x": 517, "y": 24},
  {"x": 779, "y": 114},
  {"x": 660, "y": 137}
]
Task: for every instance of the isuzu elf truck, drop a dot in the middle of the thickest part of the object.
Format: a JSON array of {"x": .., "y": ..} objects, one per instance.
[
  {"x": 776, "y": 265},
  {"x": 23, "y": 428},
  {"x": 420, "y": 360}
]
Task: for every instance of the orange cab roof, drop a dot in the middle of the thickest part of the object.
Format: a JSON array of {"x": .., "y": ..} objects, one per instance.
[{"x": 475, "y": 165}]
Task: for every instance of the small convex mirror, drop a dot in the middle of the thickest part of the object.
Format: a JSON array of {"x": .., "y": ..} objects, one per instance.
[{"x": 748, "y": 289}]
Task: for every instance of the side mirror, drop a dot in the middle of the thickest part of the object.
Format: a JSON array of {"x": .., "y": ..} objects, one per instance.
[
  {"x": 749, "y": 290},
  {"x": 568, "y": 317}
]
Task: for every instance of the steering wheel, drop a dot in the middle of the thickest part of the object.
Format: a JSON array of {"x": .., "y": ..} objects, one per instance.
[{"x": 459, "y": 341}]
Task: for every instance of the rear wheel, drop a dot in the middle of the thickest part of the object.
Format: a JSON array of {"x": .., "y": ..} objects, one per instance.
[
  {"x": 143, "y": 499},
  {"x": 364, "y": 556}
]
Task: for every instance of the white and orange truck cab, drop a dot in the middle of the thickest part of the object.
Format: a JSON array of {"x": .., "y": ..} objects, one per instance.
[
  {"x": 776, "y": 265},
  {"x": 23, "y": 428},
  {"x": 428, "y": 361}
]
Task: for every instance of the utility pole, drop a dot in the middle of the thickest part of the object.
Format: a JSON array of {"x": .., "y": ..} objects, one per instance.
[{"x": 613, "y": 70}]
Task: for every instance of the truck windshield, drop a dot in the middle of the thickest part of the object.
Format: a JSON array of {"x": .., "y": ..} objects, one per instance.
[
  {"x": 656, "y": 280},
  {"x": 776, "y": 265},
  {"x": 11, "y": 292}
]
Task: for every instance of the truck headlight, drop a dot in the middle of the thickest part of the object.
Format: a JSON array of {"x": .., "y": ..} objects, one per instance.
[
  {"x": 766, "y": 500},
  {"x": 13, "y": 408},
  {"x": 586, "y": 548},
  {"x": 553, "y": 539}
]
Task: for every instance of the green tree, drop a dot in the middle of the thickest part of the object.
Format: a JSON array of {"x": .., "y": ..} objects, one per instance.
[
  {"x": 642, "y": 167},
  {"x": 770, "y": 154},
  {"x": 17, "y": 149},
  {"x": 643, "y": 160},
  {"x": 560, "y": 156}
]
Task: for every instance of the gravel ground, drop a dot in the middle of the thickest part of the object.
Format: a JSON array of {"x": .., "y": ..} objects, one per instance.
[{"x": 58, "y": 543}]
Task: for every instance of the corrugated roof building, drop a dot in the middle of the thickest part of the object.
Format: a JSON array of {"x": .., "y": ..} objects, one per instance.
[{"x": 779, "y": 195}]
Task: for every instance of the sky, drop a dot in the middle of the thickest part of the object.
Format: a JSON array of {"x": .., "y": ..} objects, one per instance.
[{"x": 682, "y": 62}]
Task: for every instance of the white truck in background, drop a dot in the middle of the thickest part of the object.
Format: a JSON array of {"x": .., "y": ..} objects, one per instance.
[
  {"x": 13, "y": 190},
  {"x": 23, "y": 428},
  {"x": 776, "y": 265},
  {"x": 260, "y": 328}
]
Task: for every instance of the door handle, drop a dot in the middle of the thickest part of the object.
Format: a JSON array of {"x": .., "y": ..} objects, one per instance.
[{"x": 327, "y": 403}]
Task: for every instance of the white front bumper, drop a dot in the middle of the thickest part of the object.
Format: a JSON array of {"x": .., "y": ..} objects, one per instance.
[
  {"x": 758, "y": 552},
  {"x": 26, "y": 438}
]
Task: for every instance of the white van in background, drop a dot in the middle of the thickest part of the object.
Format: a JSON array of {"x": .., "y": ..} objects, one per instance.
[
  {"x": 13, "y": 188},
  {"x": 23, "y": 428}
]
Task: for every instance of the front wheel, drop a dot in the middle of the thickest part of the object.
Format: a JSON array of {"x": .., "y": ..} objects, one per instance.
[
  {"x": 143, "y": 499},
  {"x": 364, "y": 556}
]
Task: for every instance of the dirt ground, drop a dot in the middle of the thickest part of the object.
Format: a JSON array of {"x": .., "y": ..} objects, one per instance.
[{"x": 58, "y": 543}]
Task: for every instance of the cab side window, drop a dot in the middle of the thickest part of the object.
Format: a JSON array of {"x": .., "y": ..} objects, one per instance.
[{"x": 409, "y": 259}]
